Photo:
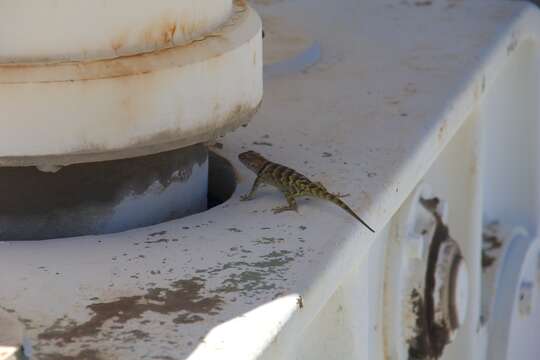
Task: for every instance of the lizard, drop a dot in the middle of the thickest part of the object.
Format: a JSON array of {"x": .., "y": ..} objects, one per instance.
[{"x": 290, "y": 182}]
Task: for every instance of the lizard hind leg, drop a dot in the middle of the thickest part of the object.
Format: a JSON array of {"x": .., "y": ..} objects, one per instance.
[{"x": 291, "y": 205}]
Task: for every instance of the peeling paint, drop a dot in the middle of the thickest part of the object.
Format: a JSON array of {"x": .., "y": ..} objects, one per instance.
[
  {"x": 184, "y": 295},
  {"x": 86, "y": 354}
]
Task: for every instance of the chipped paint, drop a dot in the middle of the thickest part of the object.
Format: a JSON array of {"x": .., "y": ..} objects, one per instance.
[
  {"x": 87, "y": 354},
  {"x": 182, "y": 296}
]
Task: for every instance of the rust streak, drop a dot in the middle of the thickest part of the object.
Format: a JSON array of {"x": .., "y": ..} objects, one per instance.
[
  {"x": 128, "y": 64},
  {"x": 431, "y": 338}
]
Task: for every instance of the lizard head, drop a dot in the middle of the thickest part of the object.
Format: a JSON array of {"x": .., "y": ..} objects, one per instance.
[{"x": 253, "y": 160}]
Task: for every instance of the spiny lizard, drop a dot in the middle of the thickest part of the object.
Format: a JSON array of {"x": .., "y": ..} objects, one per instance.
[{"x": 290, "y": 182}]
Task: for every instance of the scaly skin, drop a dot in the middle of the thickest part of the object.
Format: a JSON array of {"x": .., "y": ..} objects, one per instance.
[{"x": 290, "y": 182}]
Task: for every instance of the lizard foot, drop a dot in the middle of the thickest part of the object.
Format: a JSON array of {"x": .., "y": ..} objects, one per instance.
[
  {"x": 280, "y": 209},
  {"x": 245, "y": 197}
]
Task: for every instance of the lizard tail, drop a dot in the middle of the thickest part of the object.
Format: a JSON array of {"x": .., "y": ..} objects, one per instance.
[{"x": 333, "y": 198}]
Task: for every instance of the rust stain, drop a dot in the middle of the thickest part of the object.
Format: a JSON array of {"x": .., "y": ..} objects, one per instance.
[
  {"x": 160, "y": 34},
  {"x": 431, "y": 338},
  {"x": 118, "y": 42},
  {"x": 115, "y": 45},
  {"x": 128, "y": 64},
  {"x": 491, "y": 241},
  {"x": 418, "y": 345},
  {"x": 168, "y": 34},
  {"x": 184, "y": 296},
  {"x": 487, "y": 260},
  {"x": 189, "y": 30}
]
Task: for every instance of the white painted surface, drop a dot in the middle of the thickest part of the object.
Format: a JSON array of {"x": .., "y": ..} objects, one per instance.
[
  {"x": 11, "y": 335},
  {"x": 400, "y": 94},
  {"x": 525, "y": 309},
  {"x": 60, "y": 30},
  {"x": 130, "y": 106}
]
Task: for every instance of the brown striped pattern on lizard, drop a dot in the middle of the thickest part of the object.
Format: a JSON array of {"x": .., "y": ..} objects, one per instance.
[{"x": 290, "y": 182}]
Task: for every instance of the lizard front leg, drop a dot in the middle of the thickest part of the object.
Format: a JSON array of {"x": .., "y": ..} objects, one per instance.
[
  {"x": 291, "y": 204},
  {"x": 251, "y": 194}
]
